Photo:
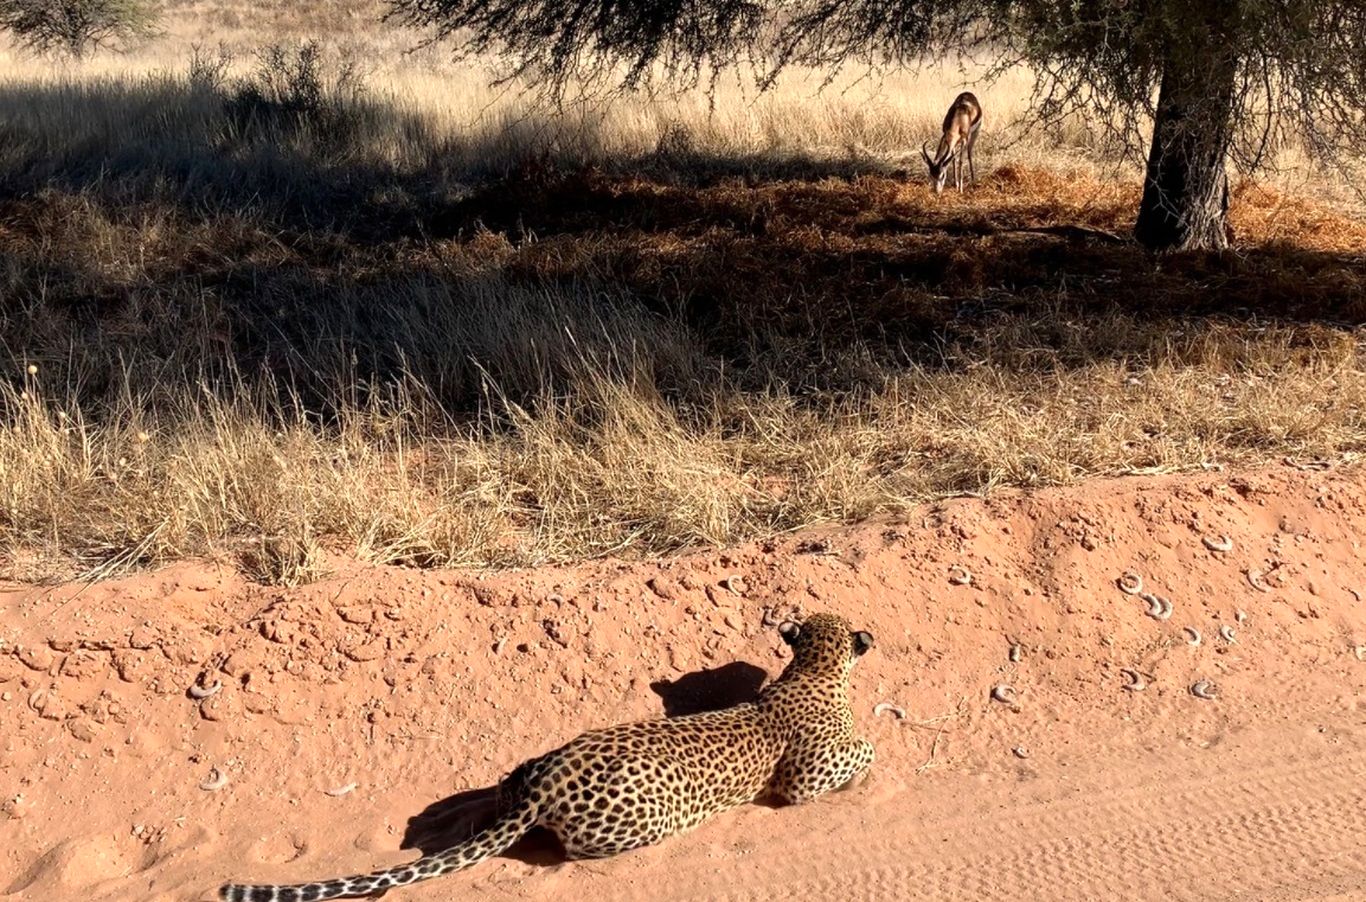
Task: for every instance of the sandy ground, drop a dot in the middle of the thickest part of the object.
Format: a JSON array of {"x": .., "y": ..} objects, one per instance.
[{"x": 422, "y": 688}]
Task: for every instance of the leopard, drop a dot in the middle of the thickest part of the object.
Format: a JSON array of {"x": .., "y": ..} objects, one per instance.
[{"x": 624, "y": 787}]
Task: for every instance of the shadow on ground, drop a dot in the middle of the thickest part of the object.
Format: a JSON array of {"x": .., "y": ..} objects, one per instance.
[
  {"x": 314, "y": 253},
  {"x": 710, "y": 690},
  {"x": 458, "y": 818}
]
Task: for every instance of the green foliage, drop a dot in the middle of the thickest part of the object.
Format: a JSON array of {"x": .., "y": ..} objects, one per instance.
[{"x": 75, "y": 26}]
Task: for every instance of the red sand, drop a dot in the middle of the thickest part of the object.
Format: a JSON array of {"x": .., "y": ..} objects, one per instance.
[{"x": 418, "y": 685}]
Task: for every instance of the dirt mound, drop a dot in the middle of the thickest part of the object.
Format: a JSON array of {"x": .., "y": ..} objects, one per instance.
[{"x": 343, "y": 714}]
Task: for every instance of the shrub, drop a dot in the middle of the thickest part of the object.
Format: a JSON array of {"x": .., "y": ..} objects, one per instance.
[{"x": 75, "y": 26}]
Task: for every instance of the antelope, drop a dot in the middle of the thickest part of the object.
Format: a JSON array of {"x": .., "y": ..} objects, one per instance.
[{"x": 960, "y": 133}]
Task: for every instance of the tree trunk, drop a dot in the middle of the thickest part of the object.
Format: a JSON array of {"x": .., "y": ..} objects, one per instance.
[{"x": 1185, "y": 191}]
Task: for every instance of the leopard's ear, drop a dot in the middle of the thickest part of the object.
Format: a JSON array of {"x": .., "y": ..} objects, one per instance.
[
  {"x": 790, "y": 630},
  {"x": 863, "y": 641}
]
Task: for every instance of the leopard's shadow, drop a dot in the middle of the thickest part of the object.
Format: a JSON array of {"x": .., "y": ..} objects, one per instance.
[
  {"x": 710, "y": 690},
  {"x": 456, "y": 818}
]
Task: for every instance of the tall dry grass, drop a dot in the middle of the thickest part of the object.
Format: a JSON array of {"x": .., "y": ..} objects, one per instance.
[
  {"x": 613, "y": 467},
  {"x": 425, "y": 103},
  {"x": 380, "y": 309}
]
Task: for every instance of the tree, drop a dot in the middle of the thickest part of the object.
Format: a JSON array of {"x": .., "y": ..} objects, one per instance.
[
  {"x": 74, "y": 26},
  {"x": 1200, "y": 82}
]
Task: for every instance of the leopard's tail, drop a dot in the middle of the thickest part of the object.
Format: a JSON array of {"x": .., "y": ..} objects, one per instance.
[{"x": 509, "y": 828}]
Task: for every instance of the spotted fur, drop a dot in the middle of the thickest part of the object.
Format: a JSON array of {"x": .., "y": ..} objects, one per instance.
[{"x": 632, "y": 785}]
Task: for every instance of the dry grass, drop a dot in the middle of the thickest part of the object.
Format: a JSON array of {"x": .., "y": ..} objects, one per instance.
[
  {"x": 428, "y": 324},
  {"x": 614, "y": 467}
]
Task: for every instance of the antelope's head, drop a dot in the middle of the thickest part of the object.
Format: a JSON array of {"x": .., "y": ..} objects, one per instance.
[{"x": 939, "y": 170}]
